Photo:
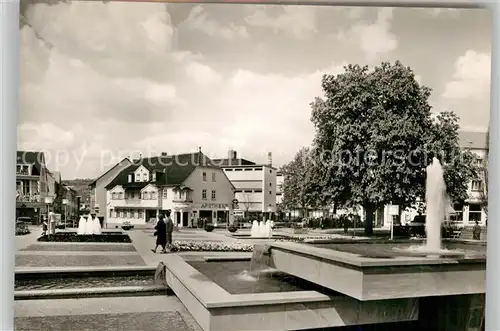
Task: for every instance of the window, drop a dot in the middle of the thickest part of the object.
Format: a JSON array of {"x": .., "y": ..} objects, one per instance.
[
  {"x": 115, "y": 214},
  {"x": 165, "y": 193},
  {"x": 113, "y": 196},
  {"x": 248, "y": 169},
  {"x": 270, "y": 192},
  {"x": 477, "y": 185},
  {"x": 475, "y": 212},
  {"x": 144, "y": 195},
  {"x": 140, "y": 214},
  {"x": 121, "y": 213},
  {"x": 257, "y": 169},
  {"x": 127, "y": 214},
  {"x": 153, "y": 195},
  {"x": 153, "y": 176},
  {"x": 144, "y": 177},
  {"x": 213, "y": 195},
  {"x": 120, "y": 196},
  {"x": 213, "y": 177},
  {"x": 110, "y": 213},
  {"x": 270, "y": 184},
  {"x": 204, "y": 176},
  {"x": 270, "y": 171},
  {"x": 204, "y": 194}
]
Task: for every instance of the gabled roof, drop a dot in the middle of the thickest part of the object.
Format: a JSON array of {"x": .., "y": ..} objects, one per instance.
[
  {"x": 113, "y": 167},
  {"x": 170, "y": 170},
  {"x": 471, "y": 139}
]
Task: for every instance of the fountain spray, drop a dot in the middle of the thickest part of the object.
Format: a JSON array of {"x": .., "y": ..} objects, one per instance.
[{"x": 435, "y": 197}]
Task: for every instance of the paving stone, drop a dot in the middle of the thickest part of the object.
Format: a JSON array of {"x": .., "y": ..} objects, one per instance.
[
  {"x": 80, "y": 247},
  {"x": 151, "y": 321},
  {"x": 78, "y": 260}
]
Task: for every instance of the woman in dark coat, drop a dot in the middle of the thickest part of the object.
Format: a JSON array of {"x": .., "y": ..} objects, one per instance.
[{"x": 161, "y": 235}]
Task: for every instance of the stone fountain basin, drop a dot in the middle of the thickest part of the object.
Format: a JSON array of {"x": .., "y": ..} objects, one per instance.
[
  {"x": 375, "y": 271},
  {"x": 239, "y": 307}
]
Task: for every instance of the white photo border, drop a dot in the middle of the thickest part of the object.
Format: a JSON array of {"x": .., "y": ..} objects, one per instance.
[{"x": 9, "y": 72}]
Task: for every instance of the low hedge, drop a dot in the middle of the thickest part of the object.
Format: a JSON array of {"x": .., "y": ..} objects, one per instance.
[
  {"x": 97, "y": 238},
  {"x": 22, "y": 229},
  {"x": 209, "y": 246}
]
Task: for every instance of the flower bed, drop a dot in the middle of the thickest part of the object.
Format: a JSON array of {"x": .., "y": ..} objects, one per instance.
[
  {"x": 22, "y": 229},
  {"x": 99, "y": 238},
  {"x": 210, "y": 246}
]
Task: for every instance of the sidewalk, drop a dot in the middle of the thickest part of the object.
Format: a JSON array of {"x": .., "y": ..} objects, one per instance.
[{"x": 29, "y": 239}]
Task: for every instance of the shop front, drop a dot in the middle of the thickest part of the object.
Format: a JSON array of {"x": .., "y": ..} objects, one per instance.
[{"x": 215, "y": 213}]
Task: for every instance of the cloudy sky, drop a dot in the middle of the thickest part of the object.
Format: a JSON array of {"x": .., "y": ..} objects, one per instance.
[{"x": 103, "y": 81}]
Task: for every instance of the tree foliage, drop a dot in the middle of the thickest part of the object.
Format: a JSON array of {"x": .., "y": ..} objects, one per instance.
[
  {"x": 296, "y": 181},
  {"x": 484, "y": 173},
  {"x": 375, "y": 135}
]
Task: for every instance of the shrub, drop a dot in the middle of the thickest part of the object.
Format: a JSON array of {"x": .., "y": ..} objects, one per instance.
[
  {"x": 209, "y": 227},
  {"x": 73, "y": 237},
  {"x": 232, "y": 228},
  {"x": 22, "y": 229}
]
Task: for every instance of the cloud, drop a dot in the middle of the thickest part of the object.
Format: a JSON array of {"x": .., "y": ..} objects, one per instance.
[
  {"x": 199, "y": 20},
  {"x": 471, "y": 78},
  {"x": 374, "y": 38},
  {"x": 253, "y": 113},
  {"x": 294, "y": 21},
  {"x": 202, "y": 74}
]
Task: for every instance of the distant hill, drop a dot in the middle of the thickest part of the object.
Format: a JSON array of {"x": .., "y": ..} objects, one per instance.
[{"x": 81, "y": 186}]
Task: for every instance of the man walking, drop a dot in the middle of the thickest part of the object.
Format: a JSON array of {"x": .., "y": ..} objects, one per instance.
[{"x": 169, "y": 224}]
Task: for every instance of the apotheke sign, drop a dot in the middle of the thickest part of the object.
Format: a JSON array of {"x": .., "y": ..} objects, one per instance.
[{"x": 214, "y": 205}]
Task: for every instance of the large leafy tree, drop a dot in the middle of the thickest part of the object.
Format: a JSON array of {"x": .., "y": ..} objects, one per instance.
[
  {"x": 296, "y": 180},
  {"x": 375, "y": 135}
]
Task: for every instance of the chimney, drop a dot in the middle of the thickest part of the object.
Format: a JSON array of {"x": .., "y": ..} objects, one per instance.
[
  {"x": 270, "y": 159},
  {"x": 231, "y": 154},
  {"x": 164, "y": 154}
]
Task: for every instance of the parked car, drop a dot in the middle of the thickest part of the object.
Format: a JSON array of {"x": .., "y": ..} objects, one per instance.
[
  {"x": 24, "y": 219},
  {"x": 417, "y": 228}
]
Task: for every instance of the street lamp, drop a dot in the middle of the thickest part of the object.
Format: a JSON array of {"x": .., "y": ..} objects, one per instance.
[
  {"x": 65, "y": 203},
  {"x": 227, "y": 216}
]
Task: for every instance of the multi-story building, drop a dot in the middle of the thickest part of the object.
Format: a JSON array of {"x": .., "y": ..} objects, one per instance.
[
  {"x": 190, "y": 185},
  {"x": 31, "y": 185},
  {"x": 255, "y": 184},
  {"x": 98, "y": 193},
  {"x": 69, "y": 203}
]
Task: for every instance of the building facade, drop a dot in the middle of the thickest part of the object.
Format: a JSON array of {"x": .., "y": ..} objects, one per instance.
[
  {"x": 255, "y": 185},
  {"x": 69, "y": 203},
  {"x": 98, "y": 193},
  {"x": 32, "y": 185},
  {"x": 189, "y": 185}
]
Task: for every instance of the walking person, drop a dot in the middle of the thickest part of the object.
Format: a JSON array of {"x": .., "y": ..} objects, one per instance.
[
  {"x": 161, "y": 234},
  {"x": 476, "y": 231},
  {"x": 169, "y": 227}
]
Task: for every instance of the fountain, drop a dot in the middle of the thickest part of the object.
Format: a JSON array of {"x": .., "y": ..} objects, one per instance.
[
  {"x": 81, "y": 225},
  {"x": 255, "y": 231},
  {"x": 261, "y": 230},
  {"x": 435, "y": 199},
  {"x": 96, "y": 224}
]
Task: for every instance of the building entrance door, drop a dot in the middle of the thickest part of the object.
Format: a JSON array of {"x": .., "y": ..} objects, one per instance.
[{"x": 185, "y": 219}]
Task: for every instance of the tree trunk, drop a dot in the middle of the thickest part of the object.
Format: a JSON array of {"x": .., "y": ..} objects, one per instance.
[
  {"x": 369, "y": 208},
  {"x": 334, "y": 208}
]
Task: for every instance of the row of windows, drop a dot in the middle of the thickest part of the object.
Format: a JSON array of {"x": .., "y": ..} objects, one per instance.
[
  {"x": 477, "y": 185},
  {"x": 126, "y": 213},
  {"x": 214, "y": 177},
  {"x": 247, "y": 169},
  {"x": 204, "y": 195},
  {"x": 143, "y": 195},
  {"x": 251, "y": 191}
]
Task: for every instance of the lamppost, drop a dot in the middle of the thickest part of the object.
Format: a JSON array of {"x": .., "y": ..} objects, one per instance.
[
  {"x": 65, "y": 203},
  {"x": 227, "y": 217}
]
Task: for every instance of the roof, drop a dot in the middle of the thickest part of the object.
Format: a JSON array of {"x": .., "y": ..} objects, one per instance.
[
  {"x": 232, "y": 162},
  {"x": 113, "y": 167},
  {"x": 473, "y": 139},
  {"x": 29, "y": 157},
  {"x": 170, "y": 170}
]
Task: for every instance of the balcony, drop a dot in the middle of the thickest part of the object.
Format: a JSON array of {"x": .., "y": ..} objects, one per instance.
[
  {"x": 134, "y": 203},
  {"x": 28, "y": 197}
]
